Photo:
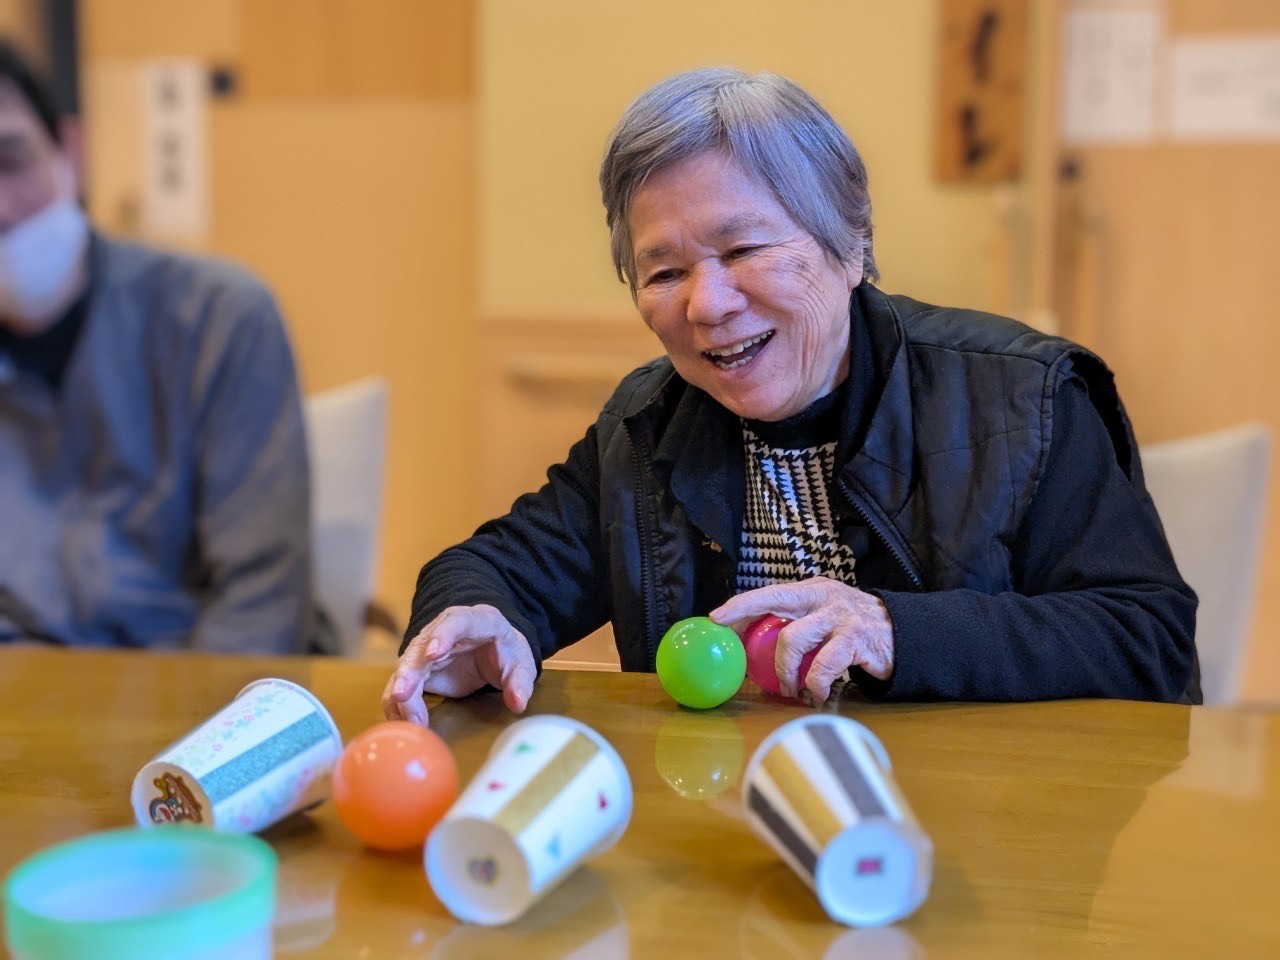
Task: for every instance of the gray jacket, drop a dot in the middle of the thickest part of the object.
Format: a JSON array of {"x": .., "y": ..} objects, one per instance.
[{"x": 161, "y": 498}]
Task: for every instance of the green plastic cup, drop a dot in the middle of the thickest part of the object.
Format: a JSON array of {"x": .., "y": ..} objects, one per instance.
[{"x": 174, "y": 892}]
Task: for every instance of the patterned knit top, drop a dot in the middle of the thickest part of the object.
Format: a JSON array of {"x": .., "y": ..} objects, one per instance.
[{"x": 788, "y": 527}]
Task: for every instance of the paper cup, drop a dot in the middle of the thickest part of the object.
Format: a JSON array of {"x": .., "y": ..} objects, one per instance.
[
  {"x": 552, "y": 794},
  {"x": 820, "y": 791},
  {"x": 266, "y": 754},
  {"x": 181, "y": 894}
]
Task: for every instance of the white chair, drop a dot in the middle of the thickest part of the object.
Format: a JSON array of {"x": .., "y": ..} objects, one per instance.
[
  {"x": 1210, "y": 491},
  {"x": 347, "y": 437}
]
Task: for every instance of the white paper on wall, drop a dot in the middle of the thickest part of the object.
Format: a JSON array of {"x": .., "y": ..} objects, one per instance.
[
  {"x": 1110, "y": 60},
  {"x": 1225, "y": 88}
]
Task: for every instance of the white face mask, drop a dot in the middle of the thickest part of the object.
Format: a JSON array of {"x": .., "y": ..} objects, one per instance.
[{"x": 42, "y": 263}]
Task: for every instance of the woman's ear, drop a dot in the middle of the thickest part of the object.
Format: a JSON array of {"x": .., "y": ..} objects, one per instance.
[{"x": 853, "y": 268}]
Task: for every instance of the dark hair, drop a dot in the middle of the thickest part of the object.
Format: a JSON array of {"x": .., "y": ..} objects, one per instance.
[
  {"x": 15, "y": 68},
  {"x": 771, "y": 127}
]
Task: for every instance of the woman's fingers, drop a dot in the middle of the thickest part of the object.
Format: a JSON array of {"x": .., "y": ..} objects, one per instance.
[{"x": 442, "y": 659}]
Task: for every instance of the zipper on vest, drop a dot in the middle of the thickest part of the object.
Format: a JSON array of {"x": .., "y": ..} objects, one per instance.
[
  {"x": 646, "y": 574},
  {"x": 881, "y": 536}
]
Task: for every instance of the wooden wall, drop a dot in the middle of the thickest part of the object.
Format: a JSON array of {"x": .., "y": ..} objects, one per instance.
[{"x": 1167, "y": 268}]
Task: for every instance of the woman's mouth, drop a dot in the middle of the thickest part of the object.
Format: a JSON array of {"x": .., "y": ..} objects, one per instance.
[{"x": 738, "y": 354}]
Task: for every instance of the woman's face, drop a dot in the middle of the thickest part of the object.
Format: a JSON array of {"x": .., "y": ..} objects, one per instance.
[{"x": 746, "y": 303}]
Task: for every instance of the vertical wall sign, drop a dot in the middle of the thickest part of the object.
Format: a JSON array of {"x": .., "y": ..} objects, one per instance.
[
  {"x": 175, "y": 203},
  {"x": 981, "y": 80}
]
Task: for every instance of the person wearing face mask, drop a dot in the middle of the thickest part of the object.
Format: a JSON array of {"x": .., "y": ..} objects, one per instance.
[{"x": 154, "y": 489}]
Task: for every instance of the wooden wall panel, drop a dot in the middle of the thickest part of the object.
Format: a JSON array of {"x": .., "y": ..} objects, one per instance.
[
  {"x": 1167, "y": 264},
  {"x": 360, "y": 215},
  {"x": 132, "y": 29},
  {"x": 545, "y": 382},
  {"x": 357, "y": 48}
]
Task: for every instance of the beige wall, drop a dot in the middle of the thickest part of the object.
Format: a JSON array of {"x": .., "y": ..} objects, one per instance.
[{"x": 555, "y": 76}]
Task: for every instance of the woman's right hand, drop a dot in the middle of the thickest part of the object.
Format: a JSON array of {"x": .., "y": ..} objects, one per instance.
[{"x": 457, "y": 653}]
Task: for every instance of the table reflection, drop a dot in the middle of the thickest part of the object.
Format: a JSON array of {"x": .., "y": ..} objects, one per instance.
[
  {"x": 578, "y": 920},
  {"x": 699, "y": 755},
  {"x": 783, "y": 921}
]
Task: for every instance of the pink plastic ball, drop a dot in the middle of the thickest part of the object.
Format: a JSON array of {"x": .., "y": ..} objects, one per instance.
[{"x": 761, "y": 641}]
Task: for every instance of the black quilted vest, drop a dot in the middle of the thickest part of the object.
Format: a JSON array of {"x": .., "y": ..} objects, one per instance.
[{"x": 955, "y": 448}]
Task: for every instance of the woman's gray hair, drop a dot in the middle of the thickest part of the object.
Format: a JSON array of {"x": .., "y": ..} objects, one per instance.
[{"x": 771, "y": 127}]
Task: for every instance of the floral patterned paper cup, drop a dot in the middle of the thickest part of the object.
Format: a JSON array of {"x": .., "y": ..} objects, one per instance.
[{"x": 266, "y": 754}]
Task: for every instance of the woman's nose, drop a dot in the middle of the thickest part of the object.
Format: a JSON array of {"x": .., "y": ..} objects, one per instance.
[{"x": 713, "y": 294}]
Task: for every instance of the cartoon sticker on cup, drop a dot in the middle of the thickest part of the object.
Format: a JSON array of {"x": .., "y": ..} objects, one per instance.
[
  {"x": 552, "y": 794},
  {"x": 820, "y": 791},
  {"x": 266, "y": 754},
  {"x": 176, "y": 803}
]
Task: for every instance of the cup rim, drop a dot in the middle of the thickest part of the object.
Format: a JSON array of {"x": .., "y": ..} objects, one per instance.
[
  {"x": 217, "y": 919},
  {"x": 440, "y": 878}
]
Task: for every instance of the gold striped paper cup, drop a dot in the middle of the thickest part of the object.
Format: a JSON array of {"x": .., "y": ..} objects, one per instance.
[
  {"x": 268, "y": 753},
  {"x": 552, "y": 794},
  {"x": 820, "y": 791}
]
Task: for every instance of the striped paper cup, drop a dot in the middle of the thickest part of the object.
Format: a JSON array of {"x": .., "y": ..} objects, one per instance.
[
  {"x": 552, "y": 794},
  {"x": 266, "y": 754},
  {"x": 821, "y": 792}
]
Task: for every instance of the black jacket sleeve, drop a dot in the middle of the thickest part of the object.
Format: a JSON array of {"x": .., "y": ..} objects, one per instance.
[
  {"x": 542, "y": 565},
  {"x": 1098, "y": 608}
]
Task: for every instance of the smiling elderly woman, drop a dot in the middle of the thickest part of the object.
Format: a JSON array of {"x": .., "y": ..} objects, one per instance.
[{"x": 948, "y": 504}]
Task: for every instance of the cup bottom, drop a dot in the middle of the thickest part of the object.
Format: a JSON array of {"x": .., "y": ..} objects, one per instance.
[
  {"x": 477, "y": 871},
  {"x": 876, "y": 872}
]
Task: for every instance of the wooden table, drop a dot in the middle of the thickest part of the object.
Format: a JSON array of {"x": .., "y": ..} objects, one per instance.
[{"x": 1061, "y": 829}]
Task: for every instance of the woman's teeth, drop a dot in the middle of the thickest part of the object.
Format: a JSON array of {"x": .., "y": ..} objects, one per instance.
[{"x": 739, "y": 354}]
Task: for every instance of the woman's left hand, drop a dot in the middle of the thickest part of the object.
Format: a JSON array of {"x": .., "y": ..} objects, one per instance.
[{"x": 854, "y": 626}]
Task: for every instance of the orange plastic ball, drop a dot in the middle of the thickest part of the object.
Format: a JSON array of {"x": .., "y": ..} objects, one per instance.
[{"x": 393, "y": 783}]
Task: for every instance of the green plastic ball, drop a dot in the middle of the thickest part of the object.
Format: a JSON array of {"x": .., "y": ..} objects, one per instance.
[{"x": 701, "y": 664}]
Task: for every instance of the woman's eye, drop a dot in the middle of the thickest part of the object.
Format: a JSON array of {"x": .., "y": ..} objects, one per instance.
[
  {"x": 662, "y": 276},
  {"x": 738, "y": 252}
]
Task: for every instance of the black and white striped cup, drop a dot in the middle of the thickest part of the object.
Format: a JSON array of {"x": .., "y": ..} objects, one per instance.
[{"x": 820, "y": 791}]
